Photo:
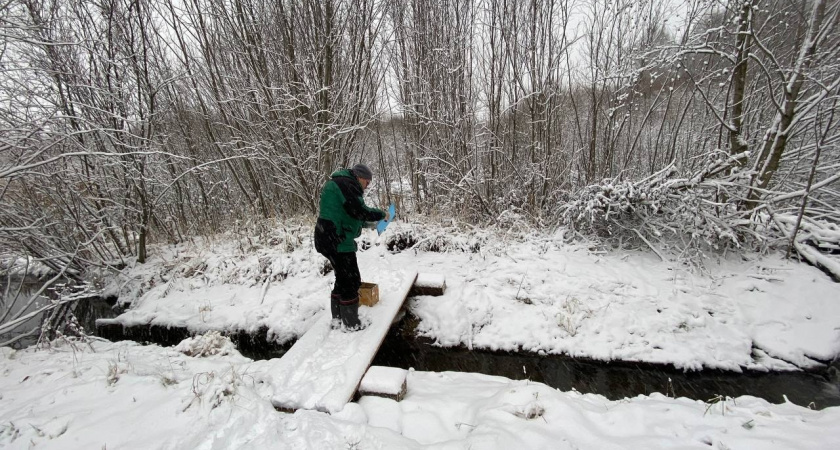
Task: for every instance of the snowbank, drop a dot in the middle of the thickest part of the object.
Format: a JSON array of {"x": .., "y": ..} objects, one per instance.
[
  {"x": 123, "y": 395},
  {"x": 520, "y": 293}
]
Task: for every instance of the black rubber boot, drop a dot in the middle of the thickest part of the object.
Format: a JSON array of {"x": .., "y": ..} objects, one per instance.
[
  {"x": 350, "y": 314},
  {"x": 334, "y": 301}
]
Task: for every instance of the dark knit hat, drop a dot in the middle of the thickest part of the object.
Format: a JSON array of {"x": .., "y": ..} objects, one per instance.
[{"x": 362, "y": 171}]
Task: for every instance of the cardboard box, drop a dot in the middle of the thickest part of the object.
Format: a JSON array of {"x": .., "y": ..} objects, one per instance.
[{"x": 368, "y": 294}]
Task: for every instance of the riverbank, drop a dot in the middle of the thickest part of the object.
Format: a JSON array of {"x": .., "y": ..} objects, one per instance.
[
  {"x": 529, "y": 293},
  {"x": 815, "y": 388},
  {"x": 508, "y": 299}
]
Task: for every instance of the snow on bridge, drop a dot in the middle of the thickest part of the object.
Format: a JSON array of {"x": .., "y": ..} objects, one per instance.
[{"x": 324, "y": 368}]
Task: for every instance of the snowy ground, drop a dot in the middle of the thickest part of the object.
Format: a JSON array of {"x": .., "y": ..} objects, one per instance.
[
  {"x": 535, "y": 294},
  {"x": 127, "y": 396}
]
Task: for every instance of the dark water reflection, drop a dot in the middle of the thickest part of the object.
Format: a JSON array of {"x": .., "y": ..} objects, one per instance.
[
  {"x": 14, "y": 298},
  {"x": 86, "y": 310},
  {"x": 614, "y": 380},
  {"x": 255, "y": 345}
]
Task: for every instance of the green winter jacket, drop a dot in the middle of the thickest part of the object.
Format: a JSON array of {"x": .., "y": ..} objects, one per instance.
[{"x": 342, "y": 214}]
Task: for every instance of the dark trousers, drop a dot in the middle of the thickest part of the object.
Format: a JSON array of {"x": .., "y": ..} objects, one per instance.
[
  {"x": 344, "y": 301},
  {"x": 347, "y": 277}
]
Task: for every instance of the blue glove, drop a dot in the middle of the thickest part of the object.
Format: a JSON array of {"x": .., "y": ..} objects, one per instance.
[{"x": 383, "y": 224}]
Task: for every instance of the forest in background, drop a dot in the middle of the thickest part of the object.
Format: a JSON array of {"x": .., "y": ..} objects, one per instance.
[{"x": 683, "y": 127}]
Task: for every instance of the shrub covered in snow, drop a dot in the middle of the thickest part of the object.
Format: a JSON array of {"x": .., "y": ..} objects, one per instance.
[
  {"x": 660, "y": 212},
  {"x": 430, "y": 238},
  {"x": 687, "y": 217},
  {"x": 209, "y": 344}
]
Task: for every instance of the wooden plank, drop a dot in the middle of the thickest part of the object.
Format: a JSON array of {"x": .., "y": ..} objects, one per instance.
[
  {"x": 388, "y": 382},
  {"x": 428, "y": 284},
  {"x": 323, "y": 369}
]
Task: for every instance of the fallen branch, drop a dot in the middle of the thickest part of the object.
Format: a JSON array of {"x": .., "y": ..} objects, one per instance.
[
  {"x": 658, "y": 253},
  {"x": 827, "y": 264},
  {"x": 811, "y": 233}
]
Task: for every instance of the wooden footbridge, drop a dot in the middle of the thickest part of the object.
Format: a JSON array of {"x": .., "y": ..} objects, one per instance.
[{"x": 324, "y": 368}]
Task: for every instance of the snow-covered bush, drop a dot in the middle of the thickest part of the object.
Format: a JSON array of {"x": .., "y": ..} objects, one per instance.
[
  {"x": 208, "y": 344},
  {"x": 439, "y": 239},
  {"x": 688, "y": 217},
  {"x": 212, "y": 389},
  {"x": 661, "y": 212}
]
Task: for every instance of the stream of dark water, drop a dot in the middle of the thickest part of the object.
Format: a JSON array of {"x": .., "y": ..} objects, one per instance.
[
  {"x": 615, "y": 380},
  {"x": 18, "y": 296},
  {"x": 88, "y": 310}
]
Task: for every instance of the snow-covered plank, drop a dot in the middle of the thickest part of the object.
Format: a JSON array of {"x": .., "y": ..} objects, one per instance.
[
  {"x": 429, "y": 284},
  {"x": 324, "y": 368},
  {"x": 382, "y": 381}
]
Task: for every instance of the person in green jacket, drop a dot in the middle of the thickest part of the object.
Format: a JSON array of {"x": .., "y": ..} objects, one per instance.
[{"x": 340, "y": 219}]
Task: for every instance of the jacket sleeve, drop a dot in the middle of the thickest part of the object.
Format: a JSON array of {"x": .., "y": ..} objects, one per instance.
[{"x": 356, "y": 208}]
